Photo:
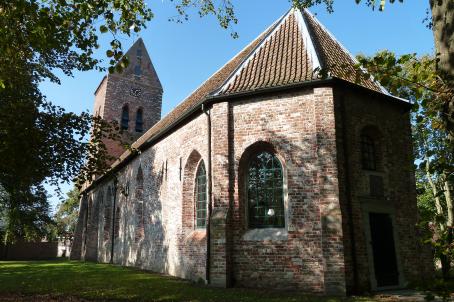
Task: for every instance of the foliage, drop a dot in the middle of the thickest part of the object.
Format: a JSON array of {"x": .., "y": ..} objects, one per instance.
[
  {"x": 67, "y": 214},
  {"x": 223, "y": 10},
  {"x": 329, "y": 3},
  {"x": 438, "y": 288},
  {"x": 41, "y": 142},
  {"x": 106, "y": 282},
  {"x": 30, "y": 219},
  {"x": 417, "y": 80},
  {"x": 442, "y": 75},
  {"x": 63, "y": 34},
  {"x": 38, "y": 142}
]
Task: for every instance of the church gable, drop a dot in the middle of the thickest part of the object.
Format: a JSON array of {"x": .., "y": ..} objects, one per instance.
[
  {"x": 296, "y": 51},
  {"x": 291, "y": 51},
  {"x": 335, "y": 57},
  {"x": 285, "y": 57}
]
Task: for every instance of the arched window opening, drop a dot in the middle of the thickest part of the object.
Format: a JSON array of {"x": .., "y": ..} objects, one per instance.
[
  {"x": 98, "y": 207},
  {"x": 265, "y": 192},
  {"x": 139, "y": 52},
  {"x": 125, "y": 118},
  {"x": 201, "y": 196},
  {"x": 139, "y": 184},
  {"x": 117, "y": 222},
  {"x": 139, "y": 230},
  {"x": 87, "y": 217},
  {"x": 108, "y": 215},
  {"x": 139, "y": 120},
  {"x": 368, "y": 152},
  {"x": 137, "y": 70}
]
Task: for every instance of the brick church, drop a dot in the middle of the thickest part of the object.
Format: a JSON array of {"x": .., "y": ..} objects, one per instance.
[{"x": 268, "y": 175}]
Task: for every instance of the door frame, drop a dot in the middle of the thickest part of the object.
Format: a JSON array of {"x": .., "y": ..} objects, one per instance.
[{"x": 382, "y": 207}]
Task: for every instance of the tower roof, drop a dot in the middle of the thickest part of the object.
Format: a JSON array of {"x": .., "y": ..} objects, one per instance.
[{"x": 140, "y": 61}]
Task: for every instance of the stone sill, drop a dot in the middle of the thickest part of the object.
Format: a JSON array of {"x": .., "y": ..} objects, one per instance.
[
  {"x": 196, "y": 235},
  {"x": 270, "y": 234}
]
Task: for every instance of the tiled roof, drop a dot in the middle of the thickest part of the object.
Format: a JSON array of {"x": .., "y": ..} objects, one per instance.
[
  {"x": 294, "y": 52},
  {"x": 199, "y": 95},
  {"x": 334, "y": 57},
  {"x": 290, "y": 51},
  {"x": 281, "y": 60}
]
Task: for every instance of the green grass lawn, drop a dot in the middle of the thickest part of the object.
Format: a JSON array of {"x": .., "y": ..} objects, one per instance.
[{"x": 106, "y": 282}]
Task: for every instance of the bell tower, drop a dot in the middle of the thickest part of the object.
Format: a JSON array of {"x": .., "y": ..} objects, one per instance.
[{"x": 133, "y": 98}]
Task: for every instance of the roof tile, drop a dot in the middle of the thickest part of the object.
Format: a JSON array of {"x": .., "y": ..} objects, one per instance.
[{"x": 288, "y": 52}]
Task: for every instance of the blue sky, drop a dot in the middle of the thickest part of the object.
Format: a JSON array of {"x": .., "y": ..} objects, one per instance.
[{"x": 185, "y": 55}]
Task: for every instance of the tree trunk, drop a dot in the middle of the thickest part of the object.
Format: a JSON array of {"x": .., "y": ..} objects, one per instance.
[
  {"x": 435, "y": 191},
  {"x": 449, "y": 224},
  {"x": 444, "y": 259},
  {"x": 445, "y": 266},
  {"x": 443, "y": 29},
  {"x": 449, "y": 203}
]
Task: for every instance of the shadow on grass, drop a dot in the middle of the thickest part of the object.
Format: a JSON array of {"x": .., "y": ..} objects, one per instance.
[{"x": 106, "y": 282}]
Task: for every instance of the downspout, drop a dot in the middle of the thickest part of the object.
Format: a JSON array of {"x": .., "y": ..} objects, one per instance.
[
  {"x": 207, "y": 272},
  {"x": 114, "y": 212},
  {"x": 349, "y": 197}
]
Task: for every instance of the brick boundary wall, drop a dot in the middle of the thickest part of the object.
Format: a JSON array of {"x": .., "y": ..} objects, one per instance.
[{"x": 29, "y": 251}]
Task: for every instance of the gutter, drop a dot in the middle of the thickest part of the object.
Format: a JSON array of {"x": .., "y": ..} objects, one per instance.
[{"x": 128, "y": 155}]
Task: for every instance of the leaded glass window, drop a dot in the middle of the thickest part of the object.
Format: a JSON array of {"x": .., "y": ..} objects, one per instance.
[
  {"x": 201, "y": 197},
  {"x": 265, "y": 194},
  {"x": 125, "y": 118},
  {"x": 368, "y": 153}
]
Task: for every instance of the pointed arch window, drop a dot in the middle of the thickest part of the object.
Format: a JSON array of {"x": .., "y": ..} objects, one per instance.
[
  {"x": 368, "y": 153},
  {"x": 139, "y": 231},
  {"x": 265, "y": 192},
  {"x": 139, "y": 120},
  {"x": 201, "y": 196},
  {"x": 108, "y": 214},
  {"x": 87, "y": 217},
  {"x": 125, "y": 118},
  {"x": 137, "y": 70},
  {"x": 117, "y": 222}
]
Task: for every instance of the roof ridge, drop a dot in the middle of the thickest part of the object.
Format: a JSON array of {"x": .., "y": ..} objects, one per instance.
[
  {"x": 324, "y": 28},
  {"x": 232, "y": 76},
  {"x": 187, "y": 103},
  {"x": 316, "y": 62},
  {"x": 222, "y": 67}
]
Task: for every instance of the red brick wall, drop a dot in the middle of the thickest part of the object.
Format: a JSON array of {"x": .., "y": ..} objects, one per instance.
[
  {"x": 395, "y": 166},
  {"x": 300, "y": 127},
  {"x": 305, "y": 130},
  {"x": 170, "y": 243}
]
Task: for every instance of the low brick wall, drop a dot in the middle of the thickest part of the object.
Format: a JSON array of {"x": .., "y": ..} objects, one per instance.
[{"x": 29, "y": 251}]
